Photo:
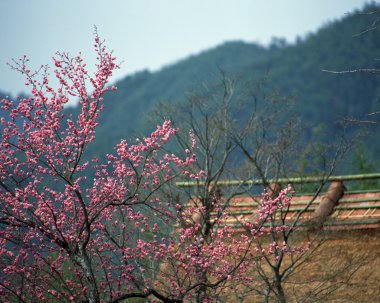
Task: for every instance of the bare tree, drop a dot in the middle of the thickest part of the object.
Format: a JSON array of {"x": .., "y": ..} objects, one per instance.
[
  {"x": 372, "y": 117},
  {"x": 244, "y": 133}
]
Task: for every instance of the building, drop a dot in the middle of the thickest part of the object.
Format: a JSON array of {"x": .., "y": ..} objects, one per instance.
[{"x": 343, "y": 261}]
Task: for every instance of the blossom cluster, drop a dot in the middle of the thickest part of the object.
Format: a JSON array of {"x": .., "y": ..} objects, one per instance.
[{"x": 76, "y": 229}]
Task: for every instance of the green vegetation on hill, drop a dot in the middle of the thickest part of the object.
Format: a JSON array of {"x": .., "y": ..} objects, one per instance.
[
  {"x": 297, "y": 69},
  {"x": 323, "y": 98}
]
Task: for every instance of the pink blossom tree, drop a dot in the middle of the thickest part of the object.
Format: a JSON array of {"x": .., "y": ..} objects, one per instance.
[{"x": 74, "y": 229}]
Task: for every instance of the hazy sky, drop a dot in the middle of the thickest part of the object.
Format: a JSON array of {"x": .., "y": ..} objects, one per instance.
[{"x": 148, "y": 34}]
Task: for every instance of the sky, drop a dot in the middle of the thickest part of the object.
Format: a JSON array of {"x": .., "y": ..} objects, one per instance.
[{"x": 149, "y": 34}]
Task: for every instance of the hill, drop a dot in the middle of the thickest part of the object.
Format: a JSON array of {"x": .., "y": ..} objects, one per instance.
[
  {"x": 294, "y": 68},
  {"x": 323, "y": 98}
]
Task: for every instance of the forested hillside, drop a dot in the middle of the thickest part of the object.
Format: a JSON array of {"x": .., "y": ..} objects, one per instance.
[
  {"x": 297, "y": 69},
  {"x": 322, "y": 97}
]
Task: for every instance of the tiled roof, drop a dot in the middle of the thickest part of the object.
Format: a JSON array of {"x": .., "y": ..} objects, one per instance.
[{"x": 355, "y": 210}]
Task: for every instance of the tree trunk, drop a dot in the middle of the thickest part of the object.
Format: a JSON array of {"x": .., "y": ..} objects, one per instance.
[
  {"x": 87, "y": 267},
  {"x": 280, "y": 291}
]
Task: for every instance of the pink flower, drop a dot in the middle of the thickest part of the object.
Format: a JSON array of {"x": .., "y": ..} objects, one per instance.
[{"x": 57, "y": 63}]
